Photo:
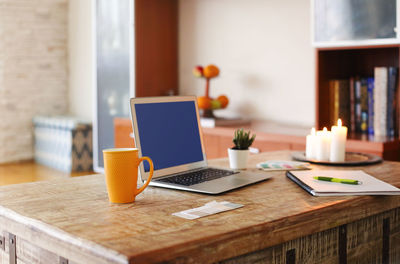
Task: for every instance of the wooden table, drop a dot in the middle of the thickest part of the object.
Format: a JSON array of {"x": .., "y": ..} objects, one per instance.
[{"x": 71, "y": 221}]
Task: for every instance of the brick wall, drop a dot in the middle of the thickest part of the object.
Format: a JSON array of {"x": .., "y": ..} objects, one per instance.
[{"x": 33, "y": 70}]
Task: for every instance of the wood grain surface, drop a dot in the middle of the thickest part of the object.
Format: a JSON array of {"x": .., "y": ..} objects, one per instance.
[
  {"x": 156, "y": 47},
  {"x": 73, "y": 218},
  {"x": 29, "y": 171}
]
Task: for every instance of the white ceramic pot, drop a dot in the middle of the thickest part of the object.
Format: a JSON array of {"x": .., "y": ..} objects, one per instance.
[{"x": 238, "y": 158}]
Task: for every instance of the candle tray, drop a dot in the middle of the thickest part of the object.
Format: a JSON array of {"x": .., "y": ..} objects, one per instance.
[{"x": 352, "y": 159}]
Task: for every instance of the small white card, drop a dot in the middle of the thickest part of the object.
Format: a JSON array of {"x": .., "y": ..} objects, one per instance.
[{"x": 210, "y": 208}]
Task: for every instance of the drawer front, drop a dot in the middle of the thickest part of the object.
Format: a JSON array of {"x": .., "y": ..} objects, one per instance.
[{"x": 375, "y": 239}]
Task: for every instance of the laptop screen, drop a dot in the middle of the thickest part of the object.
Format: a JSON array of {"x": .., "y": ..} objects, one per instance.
[{"x": 169, "y": 133}]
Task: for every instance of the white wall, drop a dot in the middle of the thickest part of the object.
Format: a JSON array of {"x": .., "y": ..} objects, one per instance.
[
  {"x": 80, "y": 59},
  {"x": 263, "y": 48}
]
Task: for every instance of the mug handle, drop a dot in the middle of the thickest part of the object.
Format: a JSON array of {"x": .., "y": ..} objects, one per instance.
[{"x": 141, "y": 189}]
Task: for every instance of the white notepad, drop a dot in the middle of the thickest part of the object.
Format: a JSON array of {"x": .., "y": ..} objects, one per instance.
[{"x": 369, "y": 186}]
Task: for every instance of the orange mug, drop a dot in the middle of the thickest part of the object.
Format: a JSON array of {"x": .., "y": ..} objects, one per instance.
[{"x": 121, "y": 169}]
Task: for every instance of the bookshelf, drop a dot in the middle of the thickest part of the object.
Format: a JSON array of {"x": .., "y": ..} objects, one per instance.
[{"x": 346, "y": 62}]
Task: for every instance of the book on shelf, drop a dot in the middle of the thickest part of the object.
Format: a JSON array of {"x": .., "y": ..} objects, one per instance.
[
  {"x": 370, "y": 85},
  {"x": 391, "y": 102},
  {"x": 367, "y": 105},
  {"x": 219, "y": 121},
  {"x": 339, "y": 91},
  {"x": 352, "y": 105},
  {"x": 380, "y": 101},
  {"x": 357, "y": 105},
  {"x": 397, "y": 110},
  {"x": 364, "y": 106}
]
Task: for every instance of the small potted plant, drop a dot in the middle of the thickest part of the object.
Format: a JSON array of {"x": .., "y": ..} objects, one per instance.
[{"x": 239, "y": 153}]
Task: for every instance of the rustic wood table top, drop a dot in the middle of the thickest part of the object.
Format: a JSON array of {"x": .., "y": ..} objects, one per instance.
[{"x": 72, "y": 217}]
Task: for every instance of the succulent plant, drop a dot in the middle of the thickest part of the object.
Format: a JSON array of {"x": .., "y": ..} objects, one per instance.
[{"x": 242, "y": 139}]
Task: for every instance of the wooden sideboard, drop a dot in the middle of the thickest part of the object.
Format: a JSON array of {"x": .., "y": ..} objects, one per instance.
[
  {"x": 271, "y": 136},
  {"x": 71, "y": 221}
]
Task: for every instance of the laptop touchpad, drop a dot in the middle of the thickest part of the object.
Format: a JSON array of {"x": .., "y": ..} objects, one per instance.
[{"x": 239, "y": 181}]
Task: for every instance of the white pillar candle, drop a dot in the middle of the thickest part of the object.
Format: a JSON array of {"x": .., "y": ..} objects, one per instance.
[
  {"x": 323, "y": 145},
  {"x": 338, "y": 145},
  {"x": 311, "y": 145}
]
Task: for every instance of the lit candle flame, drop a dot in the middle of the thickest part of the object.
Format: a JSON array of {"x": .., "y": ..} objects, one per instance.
[
  {"x": 339, "y": 122},
  {"x": 313, "y": 131},
  {"x": 325, "y": 129}
]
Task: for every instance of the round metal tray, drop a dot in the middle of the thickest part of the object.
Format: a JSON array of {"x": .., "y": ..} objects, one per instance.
[{"x": 352, "y": 159}]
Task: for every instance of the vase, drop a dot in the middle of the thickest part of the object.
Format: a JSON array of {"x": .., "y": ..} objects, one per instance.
[
  {"x": 208, "y": 113},
  {"x": 238, "y": 158}
]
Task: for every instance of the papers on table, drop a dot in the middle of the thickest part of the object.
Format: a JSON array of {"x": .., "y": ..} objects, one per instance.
[
  {"x": 274, "y": 165},
  {"x": 207, "y": 209},
  {"x": 369, "y": 186}
]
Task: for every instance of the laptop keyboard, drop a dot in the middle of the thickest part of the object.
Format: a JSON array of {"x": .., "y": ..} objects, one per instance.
[{"x": 195, "y": 177}]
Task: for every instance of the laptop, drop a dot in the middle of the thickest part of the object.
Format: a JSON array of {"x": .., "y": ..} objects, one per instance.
[{"x": 167, "y": 129}]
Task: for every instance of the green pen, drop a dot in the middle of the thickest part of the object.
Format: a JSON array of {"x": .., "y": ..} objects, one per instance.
[{"x": 330, "y": 179}]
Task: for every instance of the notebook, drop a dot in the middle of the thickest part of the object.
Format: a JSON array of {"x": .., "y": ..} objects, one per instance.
[
  {"x": 369, "y": 184},
  {"x": 167, "y": 129}
]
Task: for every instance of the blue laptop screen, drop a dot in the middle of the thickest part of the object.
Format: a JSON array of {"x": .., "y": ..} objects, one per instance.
[{"x": 169, "y": 133}]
